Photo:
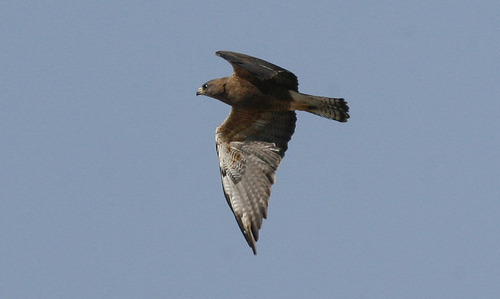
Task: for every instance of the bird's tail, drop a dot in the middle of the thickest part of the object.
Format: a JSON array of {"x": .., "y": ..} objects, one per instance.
[{"x": 332, "y": 108}]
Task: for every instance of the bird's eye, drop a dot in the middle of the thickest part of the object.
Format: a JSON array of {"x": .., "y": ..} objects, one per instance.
[{"x": 205, "y": 86}]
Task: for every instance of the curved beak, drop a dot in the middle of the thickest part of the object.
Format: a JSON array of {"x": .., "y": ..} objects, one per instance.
[{"x": 199, "y": 92}]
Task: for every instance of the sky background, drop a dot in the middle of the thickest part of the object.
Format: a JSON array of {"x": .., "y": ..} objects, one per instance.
[{"x": 109, "y": 179}]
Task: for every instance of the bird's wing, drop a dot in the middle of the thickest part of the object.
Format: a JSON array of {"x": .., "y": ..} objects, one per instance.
[
  {"x": 250, "y": 146},
  {"x": 251, "y": 68}
]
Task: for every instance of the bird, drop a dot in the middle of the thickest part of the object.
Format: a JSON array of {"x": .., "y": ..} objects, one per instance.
[{"x": 252, "y": 141}]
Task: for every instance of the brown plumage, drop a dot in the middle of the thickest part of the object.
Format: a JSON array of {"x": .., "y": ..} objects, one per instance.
[{"x": 253, "y": 139}]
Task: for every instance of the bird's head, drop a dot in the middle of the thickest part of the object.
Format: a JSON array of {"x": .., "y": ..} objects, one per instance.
[{"x": 214, "y": 88}]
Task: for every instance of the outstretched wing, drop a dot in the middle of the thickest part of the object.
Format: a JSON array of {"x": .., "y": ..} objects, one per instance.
[
  {"x": 251, "y": 68},
  {"x": 250, "y": 146}
]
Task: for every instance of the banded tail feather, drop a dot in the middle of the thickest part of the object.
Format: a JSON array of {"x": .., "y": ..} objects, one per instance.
[{"x": 332, "y": 108}]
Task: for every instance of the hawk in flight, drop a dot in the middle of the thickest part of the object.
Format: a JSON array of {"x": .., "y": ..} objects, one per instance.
[{"x": 254, "y": 137}]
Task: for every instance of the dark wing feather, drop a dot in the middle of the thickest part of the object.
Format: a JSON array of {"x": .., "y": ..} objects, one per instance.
[
  {"x": 247, "y": 67},
  {"x": 250, "y": 146}
]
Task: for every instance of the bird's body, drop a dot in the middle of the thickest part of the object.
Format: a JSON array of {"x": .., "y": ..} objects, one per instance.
[{"x": 253, "y": 139}]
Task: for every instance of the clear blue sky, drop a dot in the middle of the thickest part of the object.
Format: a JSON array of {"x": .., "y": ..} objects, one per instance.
[{"x": 109, "y": 180}]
